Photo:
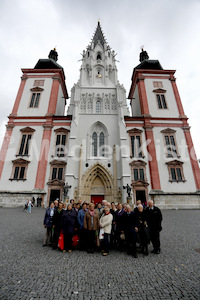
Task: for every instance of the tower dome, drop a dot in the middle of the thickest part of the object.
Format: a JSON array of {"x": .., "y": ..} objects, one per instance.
[{"x": 53, "y": 54}]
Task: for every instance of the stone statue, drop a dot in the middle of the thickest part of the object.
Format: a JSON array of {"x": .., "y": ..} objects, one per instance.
[
  {"x": 128, "y": 189},
  {"x": 66, "y": 188}
]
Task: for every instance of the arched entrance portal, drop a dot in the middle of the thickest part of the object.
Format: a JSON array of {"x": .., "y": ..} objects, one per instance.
[{"x": 98, "y": 184}]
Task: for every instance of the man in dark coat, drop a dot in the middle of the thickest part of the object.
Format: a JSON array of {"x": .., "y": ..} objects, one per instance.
[
  {"x": 154, "y": 220},
  {"x": 143, "y": 230},
  {"x": 113, "y": 238},
  {"x": 119, "y": 225},
  {"x": 68, "y": 225},
  {"x": 138, "y": 202},
  {"x": 48, "y": 218},
  {"x": 57, "y": 224},
  {"x": 130, "y": 227}
]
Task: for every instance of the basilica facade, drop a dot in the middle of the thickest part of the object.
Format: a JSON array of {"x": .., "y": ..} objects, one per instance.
[{"x": 101, "y": 148}]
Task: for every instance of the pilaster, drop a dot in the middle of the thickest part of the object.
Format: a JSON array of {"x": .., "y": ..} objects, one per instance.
[
  {"x": 54, "y": 94},
  {"x": 142, "y": 95},
  {"x": 5, "y": 146},
  {"x": 80, "y": 172},
  {"x": 177, "y": 96},
  {"x": 192, "y": 155},
  {"x": 153, "y": 165},
  {"x": 43, "y": 159},
  {"x": 115, "y": 174},
  {"x": 19, "y": 95}
]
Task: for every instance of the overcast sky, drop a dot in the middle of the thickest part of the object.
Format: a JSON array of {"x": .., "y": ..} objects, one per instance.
[{"x": 168, "y": 29}]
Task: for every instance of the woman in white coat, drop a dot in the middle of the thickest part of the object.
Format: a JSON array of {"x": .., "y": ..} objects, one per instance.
[{"x": 106, "y": 226}]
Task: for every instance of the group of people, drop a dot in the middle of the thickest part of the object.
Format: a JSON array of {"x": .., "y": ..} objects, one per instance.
[
  {"x": 104, "y": 227},
  {"x": 32, "y": 203},
  {"x": 28, "y": 205}
]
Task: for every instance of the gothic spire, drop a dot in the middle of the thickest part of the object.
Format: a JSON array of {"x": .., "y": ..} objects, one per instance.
[{"x": 98, "y": 36}]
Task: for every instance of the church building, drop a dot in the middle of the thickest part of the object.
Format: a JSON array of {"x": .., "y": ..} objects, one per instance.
[{"x": 101, "y": 148}]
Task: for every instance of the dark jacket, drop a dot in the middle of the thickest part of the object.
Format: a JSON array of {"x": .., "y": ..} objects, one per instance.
[
  {"x": 57, "y": 219},
  {"x": 136, "y": 210},
  {"x": 130, "y": 222},
  {"x": 47, "y": 218},
  {"x": 154, "y": 218},
  {"x": 141, "y": 219},
  {"x": 69, "y": 221},
  {"x": 143, "y": 230},
  {"x": 113, "y": 214},
  {"x": 119, "y": 220}
]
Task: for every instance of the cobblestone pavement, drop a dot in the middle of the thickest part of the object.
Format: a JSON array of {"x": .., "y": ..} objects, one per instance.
[{"x": 30, "y": 271}]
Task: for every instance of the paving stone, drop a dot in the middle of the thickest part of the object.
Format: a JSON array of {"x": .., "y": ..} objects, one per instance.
[{"x": 30, "y": 271}]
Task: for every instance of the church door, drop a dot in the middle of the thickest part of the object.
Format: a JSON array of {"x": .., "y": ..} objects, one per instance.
[
  {"x": 55, "y": 194},
  {"x": 141, "y": 195},
  {"x": 96, "y": 198}
]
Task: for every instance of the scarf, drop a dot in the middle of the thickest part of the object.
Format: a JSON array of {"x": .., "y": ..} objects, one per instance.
[{"x": 91, "y": 213}]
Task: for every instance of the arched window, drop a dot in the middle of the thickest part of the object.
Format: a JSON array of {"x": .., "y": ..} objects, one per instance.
[
  {"x": 101, "y": 143},
  {"x": 98, "y": 107},
  {"x": 94, "y": 144},
  {"x": 98, "y": 140},
  {"x": 99, "y": 56}
]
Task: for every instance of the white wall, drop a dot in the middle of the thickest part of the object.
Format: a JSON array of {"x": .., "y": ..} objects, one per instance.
[
  {"x": 172, "y": 110},
  {"x": 166, "y": 186},
  {"x": 41, "y": 110},
  {"x": 136, "y": 110},
  {"x": 60, "y": 108},
  {"x": 34, "y": 151}
]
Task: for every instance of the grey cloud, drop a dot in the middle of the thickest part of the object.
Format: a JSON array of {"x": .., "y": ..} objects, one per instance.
[{"x": 168, "y": 29}]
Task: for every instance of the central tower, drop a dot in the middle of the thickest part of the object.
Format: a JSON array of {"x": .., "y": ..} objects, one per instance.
[
  {"x": 98, "y": 106},
  {"x": 98, "y": 63}
]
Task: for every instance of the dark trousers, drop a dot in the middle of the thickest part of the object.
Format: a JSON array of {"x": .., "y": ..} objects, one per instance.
[
  {"x": 106, "y": 242},
  {"x": 56, "y": 235},
  {"x": 120, "y": 242},
  {"x": 130, "y": 242},
  {"x": 142, "y": 237},
  {"x": 48, "y": 236},
  {"x": 113, "y": 238},
  {"x": 91, "y": 240},
  {"x": 155, "y": 239},
  {"x": 68, "y": 241},
  {"x": 82, "y": 239}
]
